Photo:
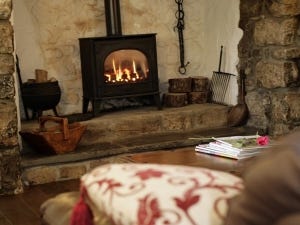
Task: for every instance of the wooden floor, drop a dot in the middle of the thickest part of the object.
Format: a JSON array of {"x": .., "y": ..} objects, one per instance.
[{"x": 23, "y": 209}]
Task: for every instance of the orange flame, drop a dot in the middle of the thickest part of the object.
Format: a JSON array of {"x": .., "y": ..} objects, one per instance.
[{"x": 122, "y": 75}]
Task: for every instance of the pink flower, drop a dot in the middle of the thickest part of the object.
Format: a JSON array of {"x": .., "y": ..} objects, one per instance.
[{"x": 262, "y": 140}]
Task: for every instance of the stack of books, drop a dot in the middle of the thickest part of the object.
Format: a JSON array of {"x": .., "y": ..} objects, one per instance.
[{"x": 235, "y": 147}]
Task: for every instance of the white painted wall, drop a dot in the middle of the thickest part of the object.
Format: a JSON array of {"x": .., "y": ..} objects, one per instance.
[
  {"x": 220, "y": 27},
  {"x": 47, "y": 35}
]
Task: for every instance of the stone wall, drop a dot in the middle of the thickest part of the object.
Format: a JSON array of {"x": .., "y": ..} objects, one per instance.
[
  {"x": 269, "y": 53},
  {"x": 9, "y": 149}
]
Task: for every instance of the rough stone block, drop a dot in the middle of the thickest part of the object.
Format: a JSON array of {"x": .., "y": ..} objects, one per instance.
[
  {"x": 130, "y": 127},
  {"x": 245, "y": 44},
  {"x": 6, "y": 37},
  {"x": 293, "y": 102},
  {"x": 284, "y": 8},
  {"x": 8, "y": 123},
  {"x": 5, "y": 9},
  {"x": 258, "y": 113},
  {"x": 279, "y": 32},
  {"x": 287, "y": 53},
  {"x": 40, "y": 175},
  {"x": 207, "y": 118},
  {"x": 275, "y": 74},
  {"x": 72, "y": 171},
  {"x": 279, "y": 129},
  {"x": 176, "y": 122},
  {"x": 249, "y": 9},
  {"x": 280, "y": 108},
  {"x": 285, "y": 110},
  {"x": 6, "y": 64},
  {"x": 10, "y": 171},
  {"x": 7, "y": 89}
]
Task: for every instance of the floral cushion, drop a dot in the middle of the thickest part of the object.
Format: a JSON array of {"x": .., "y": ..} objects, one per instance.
[{"x": 160, "y": 194}]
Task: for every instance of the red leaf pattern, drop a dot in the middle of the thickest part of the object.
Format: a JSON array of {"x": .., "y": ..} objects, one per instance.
[
  {"x": 175, "y": 196},
  {"x": 149, "y": 173},
  {"x": 186, "y": 203},
  {"x": 148, "y": 211}
]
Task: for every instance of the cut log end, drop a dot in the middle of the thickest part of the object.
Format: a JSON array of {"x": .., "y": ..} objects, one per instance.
[
  {"x": 180, "y": 85},
  {"x": 198, "y": 97},
  {"x": 175, "y": 99}
]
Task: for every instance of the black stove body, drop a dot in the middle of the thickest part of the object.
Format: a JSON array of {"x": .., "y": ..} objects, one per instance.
[{"x": 118, "y": 66}]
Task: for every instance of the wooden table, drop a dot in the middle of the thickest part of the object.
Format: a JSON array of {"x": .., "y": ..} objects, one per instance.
[{"x": 187, "y": 156}]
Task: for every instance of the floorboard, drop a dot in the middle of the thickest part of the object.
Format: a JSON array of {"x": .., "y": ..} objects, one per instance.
[{"x": 23, "y": 209}]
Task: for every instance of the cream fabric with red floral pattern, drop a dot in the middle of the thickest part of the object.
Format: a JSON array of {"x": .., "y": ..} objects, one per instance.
[{"x": 148, "y": 194}]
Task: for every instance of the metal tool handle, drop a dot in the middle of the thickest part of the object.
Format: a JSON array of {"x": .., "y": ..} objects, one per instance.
[
  {"x": 220, "y": 60},
  {"x": 242, "y": 87}
]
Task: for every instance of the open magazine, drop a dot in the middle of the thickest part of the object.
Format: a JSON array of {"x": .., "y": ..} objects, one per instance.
[{"x": 236, "y": 147}]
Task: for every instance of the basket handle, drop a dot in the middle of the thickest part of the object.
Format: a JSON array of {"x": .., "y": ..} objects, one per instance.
[{"x": 60, "y": 120}]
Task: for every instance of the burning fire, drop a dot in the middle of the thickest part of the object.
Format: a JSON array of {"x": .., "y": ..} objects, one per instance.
[{"x": 125, "y": 74}]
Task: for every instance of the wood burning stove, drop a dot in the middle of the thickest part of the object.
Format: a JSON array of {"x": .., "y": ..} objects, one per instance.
[{"x": 118, "y": 66}]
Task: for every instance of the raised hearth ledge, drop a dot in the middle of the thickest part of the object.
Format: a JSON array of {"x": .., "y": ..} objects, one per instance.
[
  {"x": 138, "y": 129},
  {"x": 112, "y": 134}
]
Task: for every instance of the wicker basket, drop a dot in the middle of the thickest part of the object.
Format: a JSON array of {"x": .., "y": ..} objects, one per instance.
[{"x": 54, "y": 140}]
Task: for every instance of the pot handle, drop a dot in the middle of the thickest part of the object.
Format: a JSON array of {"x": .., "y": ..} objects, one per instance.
[{"x": 60, "y": 120}]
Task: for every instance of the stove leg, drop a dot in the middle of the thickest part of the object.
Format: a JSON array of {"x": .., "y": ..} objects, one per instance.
[
  {"x": 26, "y": 112},
  {"x": 36, "y": 114},
  {"x": 157, "y": 101},
  {"x": 55, "y": 111},
  {"x": 96, "y": 106},
  {"x": 85, "y": 104}
]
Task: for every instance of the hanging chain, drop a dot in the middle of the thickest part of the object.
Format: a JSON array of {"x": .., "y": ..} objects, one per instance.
[{"x": 180, "y": 27}]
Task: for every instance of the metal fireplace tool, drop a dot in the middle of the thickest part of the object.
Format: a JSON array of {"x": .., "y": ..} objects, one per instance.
[{"x": 219, "y": 84}]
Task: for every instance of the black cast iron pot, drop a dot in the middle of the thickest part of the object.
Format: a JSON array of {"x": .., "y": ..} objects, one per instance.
[{"x": 41, "y": 96}]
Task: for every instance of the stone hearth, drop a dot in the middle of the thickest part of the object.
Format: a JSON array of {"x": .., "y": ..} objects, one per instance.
[{"x": 110, "y": 135}]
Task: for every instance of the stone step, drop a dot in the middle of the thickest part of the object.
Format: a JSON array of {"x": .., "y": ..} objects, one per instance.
[{"x": 144, "y": 121}]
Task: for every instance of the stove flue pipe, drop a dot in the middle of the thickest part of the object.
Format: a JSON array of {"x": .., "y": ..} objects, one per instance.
[{"x": 113, "y": 18}]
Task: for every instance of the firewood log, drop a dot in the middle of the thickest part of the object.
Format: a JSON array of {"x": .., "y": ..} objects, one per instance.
[
  {"x": 200, "y": 83},
  {"x": 41, "y": 76},
  {"x": 175, "y": 99},
  {"x": 180, "y": 85},
  {"x": 198, "y": 97}
]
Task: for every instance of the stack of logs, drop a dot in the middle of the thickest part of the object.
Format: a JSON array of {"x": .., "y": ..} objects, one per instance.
[{"x": 183, "y": 91}]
